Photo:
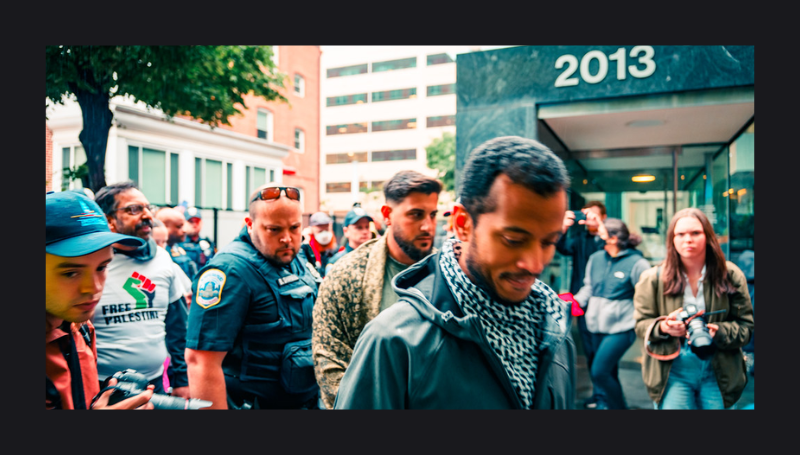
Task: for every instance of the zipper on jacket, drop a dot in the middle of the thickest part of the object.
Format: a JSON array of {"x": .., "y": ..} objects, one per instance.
[{"x": 497, "y": 365}]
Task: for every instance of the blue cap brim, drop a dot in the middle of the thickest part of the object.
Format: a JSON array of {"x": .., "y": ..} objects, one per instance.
[
  {"x": 89, "y": 243},
  {"x": 361, "y": 218}
]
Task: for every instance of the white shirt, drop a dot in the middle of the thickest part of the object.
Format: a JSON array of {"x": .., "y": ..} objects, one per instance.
[
  {"x": 131, "y": 335},
  {"x": 688, "y": 297}
]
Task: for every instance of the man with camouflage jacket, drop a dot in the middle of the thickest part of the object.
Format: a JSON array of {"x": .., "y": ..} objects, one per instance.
[{"x": 359, "y": 285}]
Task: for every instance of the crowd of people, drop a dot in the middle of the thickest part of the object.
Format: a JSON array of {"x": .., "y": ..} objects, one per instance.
[{"x": 290, "y": 318}]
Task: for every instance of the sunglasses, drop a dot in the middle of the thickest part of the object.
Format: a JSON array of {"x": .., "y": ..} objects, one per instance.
[
  {"x": 138, "y": 208},
  {"x": 268, "y": 194}
]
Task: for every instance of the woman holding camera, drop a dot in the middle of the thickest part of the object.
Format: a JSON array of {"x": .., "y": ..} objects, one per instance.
[
  {"x": 607, "y": 295},
  {"x": 694, "y": 277}
]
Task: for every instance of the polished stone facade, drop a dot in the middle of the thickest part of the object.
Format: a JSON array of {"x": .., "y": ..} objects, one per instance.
[{"x": 499, "y": 91}]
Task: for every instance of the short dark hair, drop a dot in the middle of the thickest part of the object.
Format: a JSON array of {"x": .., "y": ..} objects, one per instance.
[
  {"x": 525, "y": 161},
  {"x": 597, "y": 204},
  {"x": 406, "y": 182},
  {"x": 106, "y": 197}
]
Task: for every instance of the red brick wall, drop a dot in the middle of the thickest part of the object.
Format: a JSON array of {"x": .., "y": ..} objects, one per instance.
[
  {"x": 48, "y": 172},
  {"x": 303, "y": 114}
]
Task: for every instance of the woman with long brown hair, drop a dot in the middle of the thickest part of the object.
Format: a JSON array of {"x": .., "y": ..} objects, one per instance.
[{"x": 691, "y": 362}]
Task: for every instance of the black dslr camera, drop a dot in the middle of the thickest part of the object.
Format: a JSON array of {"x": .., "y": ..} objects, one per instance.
[
  {"x": 700, "y": 339},
  {"x": 130, "y": 383}
]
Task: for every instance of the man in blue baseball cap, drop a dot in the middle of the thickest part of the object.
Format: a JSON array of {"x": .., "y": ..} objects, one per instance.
[
  {"x": 356, "y": 231},
  {"x": 200, "y": 249},
  {"x": 77, "y": 250}
]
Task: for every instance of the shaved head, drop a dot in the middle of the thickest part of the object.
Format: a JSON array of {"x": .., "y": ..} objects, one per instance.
[
  {"x": 274, "y": 226},
  {"x": 174, "y": 222},
  {"x": 255, "y": 192}
]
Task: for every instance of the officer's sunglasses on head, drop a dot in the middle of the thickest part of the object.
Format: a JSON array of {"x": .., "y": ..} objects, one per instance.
[
  {"x": 274, "y": 192},
  {"x": 137, "y": 209}
]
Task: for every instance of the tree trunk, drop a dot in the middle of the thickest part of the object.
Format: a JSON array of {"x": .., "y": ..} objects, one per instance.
[{"x": 97, "y": 118}]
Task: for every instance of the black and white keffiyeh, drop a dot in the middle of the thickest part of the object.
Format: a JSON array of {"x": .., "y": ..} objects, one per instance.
[{"x": 513, "y": 332}]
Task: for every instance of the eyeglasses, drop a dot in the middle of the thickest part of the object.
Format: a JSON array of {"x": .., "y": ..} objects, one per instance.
[
  {"x": 137, "y": 209},
  {"x": 274, "y": 192}
]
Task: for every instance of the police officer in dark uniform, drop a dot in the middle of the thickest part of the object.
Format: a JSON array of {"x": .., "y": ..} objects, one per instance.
[
  {"x": 200, "y": 249},
  {"x": 175, "y": 223},
  {"x": 249, "y": 335}
]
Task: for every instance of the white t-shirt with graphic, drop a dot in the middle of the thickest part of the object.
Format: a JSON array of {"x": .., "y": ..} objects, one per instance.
[{"x": 130, "y": 319}]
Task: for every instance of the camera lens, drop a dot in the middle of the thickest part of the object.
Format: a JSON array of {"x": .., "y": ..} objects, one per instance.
[{"x": 702, "y": 343}]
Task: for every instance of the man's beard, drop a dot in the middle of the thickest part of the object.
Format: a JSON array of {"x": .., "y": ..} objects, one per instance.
[
  {"x": 408, "y": 247},
  {"x": 133, "y": 232},
  {"x": 482, "y": 280},
  {"x": 273, "y": 258}
]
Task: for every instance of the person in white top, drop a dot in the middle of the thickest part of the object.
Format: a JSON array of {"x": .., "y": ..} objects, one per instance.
[{"x": 142, "y": 314}]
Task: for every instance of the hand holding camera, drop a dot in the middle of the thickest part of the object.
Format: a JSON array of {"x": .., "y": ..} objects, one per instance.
[
  {"x": 131, "y": 384},
  {"x": 138, "y": 402},
  {"x": 692, "y": 323}
]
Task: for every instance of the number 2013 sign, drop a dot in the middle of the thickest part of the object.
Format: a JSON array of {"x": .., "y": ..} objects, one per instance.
[{"x": 644, "y": 54}]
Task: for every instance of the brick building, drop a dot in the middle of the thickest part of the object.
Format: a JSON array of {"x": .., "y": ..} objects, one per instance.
[{"x": 294, "y": 124}]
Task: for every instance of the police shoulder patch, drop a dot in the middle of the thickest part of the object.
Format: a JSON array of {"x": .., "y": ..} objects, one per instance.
[
  {"x": 209, "y": 288},
  {"x": 313, "y": 271}
]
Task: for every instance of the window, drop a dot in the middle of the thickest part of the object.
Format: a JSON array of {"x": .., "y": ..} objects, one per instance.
[
  {"x": 395, "y": 155},
  {"x": 265, "y": 125},
  {"x": 372, "y": 186},
  {"x": 344, "y": 100},
  {"x": 441, "y": 120},
  {"x": 299, "y": 140},
  {"x": 390, "y": 95},
  {"x": 438, "y": 59},
  {"x": 389, "y": 125},
  {"x": 338, "y": 187},
  {"x": 346, "y": 129},
  {"x": 391, "y": 65},
  {"x": 254, "y": 177},
  {"x": 229, "y": 192},
  {"x": 211, "y": 183},
  {"x": 446, "y": 89},
  {"x": 72, "y": 157},
  {"x": 299, "y": 85},
  {"x": 348, "y": 70},
  {"x": 338, "y": 158},
  {"x": 155, "y": 172}
]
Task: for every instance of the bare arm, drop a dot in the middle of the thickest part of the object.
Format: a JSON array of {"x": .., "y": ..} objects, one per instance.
[{"x": 206, "y": 379}]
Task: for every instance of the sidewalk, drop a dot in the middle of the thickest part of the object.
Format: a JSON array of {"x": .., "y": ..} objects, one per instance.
[{"x": 630, "y": 375}]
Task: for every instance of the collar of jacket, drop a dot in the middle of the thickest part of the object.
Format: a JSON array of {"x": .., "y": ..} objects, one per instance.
[
  {"x": 623, "y": 253},
  {"x": 142, "y": 254},
  {"x": 426, "y": 289}
]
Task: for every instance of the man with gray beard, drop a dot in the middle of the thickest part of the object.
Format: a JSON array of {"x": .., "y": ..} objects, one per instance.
[{"x": 359, "y": 285}]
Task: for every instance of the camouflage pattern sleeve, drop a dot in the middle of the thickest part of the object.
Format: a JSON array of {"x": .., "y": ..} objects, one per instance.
[{"x": 331, "y": 345}]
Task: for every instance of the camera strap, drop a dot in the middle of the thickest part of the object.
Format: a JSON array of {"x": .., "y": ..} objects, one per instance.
[
  {"x": 52, "y": 397},
  {"x": 660, "y": 295},
  {"x": 70, "y": 353}
]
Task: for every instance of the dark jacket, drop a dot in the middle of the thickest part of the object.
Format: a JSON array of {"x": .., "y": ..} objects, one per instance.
[
  {"x": 424, "y": 353},
  {"x": 736, "y": 326},
  {"x": 580, "y": 245}
]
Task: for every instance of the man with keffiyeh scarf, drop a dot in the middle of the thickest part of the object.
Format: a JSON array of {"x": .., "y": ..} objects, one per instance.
[{"x": 474, "y": 327}]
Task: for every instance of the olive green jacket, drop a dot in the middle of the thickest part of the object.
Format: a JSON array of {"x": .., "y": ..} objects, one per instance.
[
  {"x": 349, "y": 297},
  {"x": 736, "y": 327}
]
